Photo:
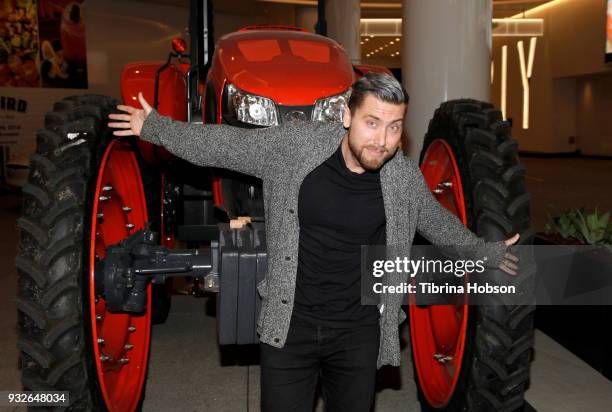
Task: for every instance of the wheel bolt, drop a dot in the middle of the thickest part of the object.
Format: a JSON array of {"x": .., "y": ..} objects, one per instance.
[
  {"x": 124, "y": 360},
  {"x": 107, "y": 188},
  {"x": 130, "y": 225},
  {"x": 128, "y": 346},
  {"x": 132, "y": 328},
  {"x": 442, "y": 358},
  {"x": 98, "y": 318},
  {"x": 103, "y": 198},
  {"x": 101, "y": 341},
  {"x": 126, "y": 209},
  {"x": 104, "y": 358}
]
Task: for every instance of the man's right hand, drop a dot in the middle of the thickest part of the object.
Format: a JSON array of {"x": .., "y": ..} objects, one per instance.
[{"x": 131, "y": 122}]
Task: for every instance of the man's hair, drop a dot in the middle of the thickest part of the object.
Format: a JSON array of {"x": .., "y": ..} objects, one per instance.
[{"x": 381, "y": 85}]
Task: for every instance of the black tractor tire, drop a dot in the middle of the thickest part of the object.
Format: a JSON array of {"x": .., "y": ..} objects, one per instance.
[
  {"x": 161, "y": 301},
  {"x": 499, "y": 343},
  {"x": 53, "y": 316}
]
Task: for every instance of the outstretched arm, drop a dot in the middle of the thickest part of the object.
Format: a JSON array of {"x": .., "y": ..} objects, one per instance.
[
  {"x": 247, "y": 151},
  {"x": 442, "y": 228}
]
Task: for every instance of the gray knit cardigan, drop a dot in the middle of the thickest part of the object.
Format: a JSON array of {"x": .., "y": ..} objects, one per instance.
[{"x": 282, "y": 156}]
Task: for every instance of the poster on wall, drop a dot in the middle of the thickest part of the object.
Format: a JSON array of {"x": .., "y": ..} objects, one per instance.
[
  {"x": 42, "y": 44},
  {"x": 609, "y": 32},
  {"x": 42, "y": 54},
  {"x": 19, "y": 44}
]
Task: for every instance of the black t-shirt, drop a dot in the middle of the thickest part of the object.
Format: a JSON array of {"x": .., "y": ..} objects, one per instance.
[{"x": 338, "y": 210}]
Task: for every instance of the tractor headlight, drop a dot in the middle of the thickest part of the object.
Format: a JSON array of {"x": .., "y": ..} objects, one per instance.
[
  {"x": 250, "y": 108},
  {"x": 331, "y": 109}
]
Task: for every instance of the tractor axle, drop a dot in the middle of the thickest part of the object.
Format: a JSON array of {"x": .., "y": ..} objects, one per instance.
[{"x": 121, "y": 278}]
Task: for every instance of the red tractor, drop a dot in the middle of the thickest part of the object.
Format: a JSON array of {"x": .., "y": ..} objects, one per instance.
[{"x": 102, "y": 217}]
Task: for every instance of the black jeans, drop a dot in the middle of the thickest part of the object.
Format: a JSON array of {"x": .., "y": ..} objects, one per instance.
[{"x": 345, "y": 359}]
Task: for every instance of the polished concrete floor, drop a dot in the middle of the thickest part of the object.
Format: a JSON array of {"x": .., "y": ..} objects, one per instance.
[{"x": 186, "y": 373}]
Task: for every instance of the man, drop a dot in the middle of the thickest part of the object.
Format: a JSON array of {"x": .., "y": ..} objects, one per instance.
[{"x": 351, "y": 188}]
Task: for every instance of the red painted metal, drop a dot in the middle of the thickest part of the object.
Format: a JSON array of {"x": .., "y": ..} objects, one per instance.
[
  {"x": 440, "y": 329},
  {"x": 118, "y": 187},
  {"x": 140, "y": 77},
  {"x": 218, "y": 199},
  {"x": 274, "y": 56},
  {"x": 272, "y": 27},
  {"x": 284, "y": 65},
  {"x": 179, "y": 45}
]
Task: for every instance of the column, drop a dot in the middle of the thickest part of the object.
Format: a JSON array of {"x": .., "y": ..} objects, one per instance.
[
  {"x": 343, "y": 25},
  {"x": 446, "y": 54}
]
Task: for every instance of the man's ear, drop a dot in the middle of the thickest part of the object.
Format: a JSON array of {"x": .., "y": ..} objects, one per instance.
[{"x": 346, "y": 117}]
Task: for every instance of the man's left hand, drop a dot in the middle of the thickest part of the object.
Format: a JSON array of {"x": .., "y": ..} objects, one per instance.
[{"x": 508, "y": 263}]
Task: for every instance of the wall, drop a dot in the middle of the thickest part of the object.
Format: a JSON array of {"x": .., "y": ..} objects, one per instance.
[
  {"x": 594, "y": 106},
  {"x": 570, "y": 84}
]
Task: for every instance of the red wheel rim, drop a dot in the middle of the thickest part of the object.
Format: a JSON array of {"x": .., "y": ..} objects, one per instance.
[
  {"x": 120, "y": 341},
  {"x": 438, "y": 331}
]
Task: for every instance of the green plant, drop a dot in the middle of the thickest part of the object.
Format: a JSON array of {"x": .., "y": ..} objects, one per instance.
[{"x": 588, "y": 228}]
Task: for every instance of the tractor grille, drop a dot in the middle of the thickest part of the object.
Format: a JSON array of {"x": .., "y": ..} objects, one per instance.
[
  {"x": 284, "y": 115},
  {"x": 286, "y": 112}
]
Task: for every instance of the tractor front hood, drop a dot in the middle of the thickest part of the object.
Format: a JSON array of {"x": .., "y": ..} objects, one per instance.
[{"x": 290, "y": 67}]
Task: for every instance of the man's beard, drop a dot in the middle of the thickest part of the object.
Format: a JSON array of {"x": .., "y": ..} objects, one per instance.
[{"x": 369, "y": 164}]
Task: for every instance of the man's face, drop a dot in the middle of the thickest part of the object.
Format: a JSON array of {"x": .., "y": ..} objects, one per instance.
[{"x": 375, "y": 130}]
